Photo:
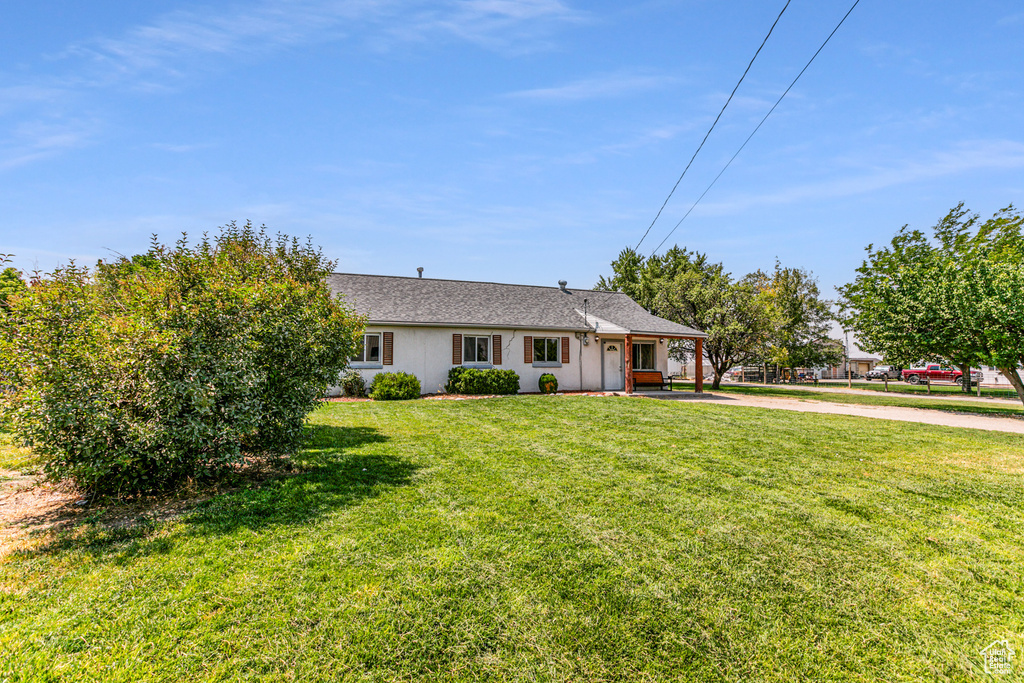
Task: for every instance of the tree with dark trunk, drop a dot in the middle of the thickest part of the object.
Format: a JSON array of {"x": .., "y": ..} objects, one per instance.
[
  {"x": 800, "y": 337},
  {"x": 957, "y": 296},
  {"x": 684, "y": 287}
]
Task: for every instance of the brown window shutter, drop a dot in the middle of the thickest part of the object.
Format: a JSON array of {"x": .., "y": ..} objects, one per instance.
[
  {"x": 456, "y": 349},
  {"x": 565, "y": 350},
  {"x": 496, "y": 349},
  {"x": 389, "y": 348},
  {"x": 527, "y": 350}
]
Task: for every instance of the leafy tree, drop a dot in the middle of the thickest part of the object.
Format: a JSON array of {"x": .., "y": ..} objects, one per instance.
[
  {"x": 981, "y": 267},
  {"x": 182, "y": 362},
  {"x": 10, "y": 281},
  {"x": 955, "y": 296},
  {"x": 685, "y": 287},
  {"x": 735, "y": 315},
  {"x": 997, "y": 290},
  {"x": 641, "y": 278},
  {"x": 892, "y": 303},
  {"x": 11, "y": 284},
  {"x": 630, "y": 276},
  {"x": 800, "y": 338}
]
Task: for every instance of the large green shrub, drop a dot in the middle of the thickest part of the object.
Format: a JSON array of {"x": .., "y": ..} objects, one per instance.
[
  {"x": 475, "y": 381},
  {"x": 394, "y": 386},
  {"x": 454, "y": 383},
  {"x": 182, "y": 362}
]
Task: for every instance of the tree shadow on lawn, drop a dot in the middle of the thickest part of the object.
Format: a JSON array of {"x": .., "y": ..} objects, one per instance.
[
  {"x": 327, "y": 478},
  {"x": 324, "y": 476}
]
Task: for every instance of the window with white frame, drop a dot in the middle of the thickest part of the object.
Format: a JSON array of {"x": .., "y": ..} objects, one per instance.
[
  {"x": 368, "y": 350},
  {"x": 476, "y": 350},
  {"x": 545, "y": 350},
  {"x": 643, "y": 355}
]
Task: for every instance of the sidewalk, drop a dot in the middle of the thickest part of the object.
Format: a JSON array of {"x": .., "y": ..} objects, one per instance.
[{"x": 919, "y": 415}]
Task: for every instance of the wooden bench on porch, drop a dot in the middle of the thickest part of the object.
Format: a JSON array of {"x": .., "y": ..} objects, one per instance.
[{"x": 650, "y": 378}]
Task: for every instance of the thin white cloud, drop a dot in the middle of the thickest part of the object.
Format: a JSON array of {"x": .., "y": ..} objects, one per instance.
[
  {"x": 176, "y": 43},
  {"x": 16, "y": 96},
  {"x": 181, "y": 148},
  {"x": 979, "y": 155},
  {"x": 1011, "y": 19},
  {"x": 609, "y": 85},
  {"x": 653, "y": 136},
  {"x": 36, "y": 140},
  {"x": 511, "y": 26},
  {"x": 165, "y": 53},
  {"x": 650, "y": 137},
  {"x": 884, "y": 51},
  {"x": 169, "y": 44},
  {"x": 751, "y": 102}
]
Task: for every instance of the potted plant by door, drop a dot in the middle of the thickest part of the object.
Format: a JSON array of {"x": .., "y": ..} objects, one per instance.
[{"x": 547, "y": 383}]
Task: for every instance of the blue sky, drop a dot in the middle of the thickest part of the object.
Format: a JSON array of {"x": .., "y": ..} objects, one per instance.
[{"x": 516, "y": 141}]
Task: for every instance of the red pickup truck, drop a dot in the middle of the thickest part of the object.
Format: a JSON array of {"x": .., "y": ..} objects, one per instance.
[{"x": 933, "y": 372}]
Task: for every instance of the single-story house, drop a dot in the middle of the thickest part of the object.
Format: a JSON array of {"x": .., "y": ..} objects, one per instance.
[
  {"x": 994, "y": 376},
  {"x": 589, "y": 340},
  {"x": 857, "y": 361}
]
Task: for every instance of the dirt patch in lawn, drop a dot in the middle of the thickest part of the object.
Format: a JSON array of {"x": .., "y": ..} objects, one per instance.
[
  {"x": 33, "y": 510},
  {"x": 29, "y": 506}
]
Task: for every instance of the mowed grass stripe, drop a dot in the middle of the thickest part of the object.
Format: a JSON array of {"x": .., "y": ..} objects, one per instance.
[
  {"x": 617, "y": 450},
  {"x": 553, "y": 538}
]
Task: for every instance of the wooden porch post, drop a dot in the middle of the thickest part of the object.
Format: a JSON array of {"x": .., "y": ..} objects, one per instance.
[
  {"x": 699, "y": 356},
  {"x": 628, "y": 360}
]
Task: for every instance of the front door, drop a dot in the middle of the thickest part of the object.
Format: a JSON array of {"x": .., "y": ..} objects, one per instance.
[{"x": 611, "y": 373}]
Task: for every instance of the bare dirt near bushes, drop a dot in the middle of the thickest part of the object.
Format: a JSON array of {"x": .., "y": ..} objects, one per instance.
[
  {"x": 27, "y": 505},
  {"x": 33, "y": 509}
]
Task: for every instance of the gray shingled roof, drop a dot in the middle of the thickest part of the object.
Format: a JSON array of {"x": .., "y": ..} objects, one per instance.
[{"x": 388, "y": 299}]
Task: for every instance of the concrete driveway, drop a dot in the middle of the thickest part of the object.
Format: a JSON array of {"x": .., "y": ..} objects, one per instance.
[{"x": 900, "y": 414}]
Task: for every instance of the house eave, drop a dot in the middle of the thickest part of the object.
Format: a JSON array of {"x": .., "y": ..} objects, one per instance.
[
  {"x": 503, "y": 326},
  {"x": 669, "y": 335},
  {"x": 490, "y": 326}
]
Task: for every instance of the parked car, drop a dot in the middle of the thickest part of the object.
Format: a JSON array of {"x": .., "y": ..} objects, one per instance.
[
  {"x": 883, "y": 372},
  {"x": 733, "y": 375},
  {"x": 934, "y": 372}
]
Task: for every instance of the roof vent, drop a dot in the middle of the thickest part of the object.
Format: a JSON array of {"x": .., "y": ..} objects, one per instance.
[
  {"x": 420, "y": 271},
  {"x": 562, "y": 284}
]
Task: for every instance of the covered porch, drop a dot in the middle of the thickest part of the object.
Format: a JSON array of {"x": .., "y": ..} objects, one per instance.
[{"x": 632, "y": 360}]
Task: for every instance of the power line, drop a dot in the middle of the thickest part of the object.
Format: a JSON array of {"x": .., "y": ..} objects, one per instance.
[
  {"x": 706, "y": 135},
  {"x": 729, "y": 163}
]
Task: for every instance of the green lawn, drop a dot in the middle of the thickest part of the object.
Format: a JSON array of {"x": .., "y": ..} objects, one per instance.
[
  {"x": 552, "y": 538},
  {"x": 14, "y": 458},
  {"x": 958, "y": 405}
]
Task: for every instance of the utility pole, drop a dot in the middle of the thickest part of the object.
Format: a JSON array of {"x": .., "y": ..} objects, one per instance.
[{"x": 846, "y": 352}]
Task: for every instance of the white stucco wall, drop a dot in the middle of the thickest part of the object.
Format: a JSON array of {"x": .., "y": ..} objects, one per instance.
[{"x": 427, "y": 353}]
